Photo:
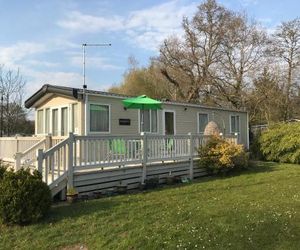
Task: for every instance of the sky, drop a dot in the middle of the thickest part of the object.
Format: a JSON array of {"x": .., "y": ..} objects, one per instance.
[{"x": 44, "y": 38}]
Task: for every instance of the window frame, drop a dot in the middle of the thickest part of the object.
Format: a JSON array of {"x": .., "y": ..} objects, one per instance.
[
  {"x": 37, "y": 121},
  {"x": 60, "y": 120},
  {"x": 45, "y": 123},
  {"x": 89, "y": 116},
  {"x": 239, "y": 125},
  {"x": 198, "y": 124},
  {"x": 74, "y": 129},
  {"x": 150, "y": 120},
  {"x": 164, "y": 122}
]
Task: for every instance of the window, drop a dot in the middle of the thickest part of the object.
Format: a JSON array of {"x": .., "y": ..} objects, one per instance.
[
  {"x": 99, "y": 118},
  {"x": 148, "y": 121},
  {"x": 75, "y": 118},
  {"x": 40, "y": 122},
  {"x": 202, "y": 122},
  {"x": 234, "y": 124},
  {"x": 64, "y": 121},
  {"x": 47, "y": 121},
  {"x": 55, "y": 122}
]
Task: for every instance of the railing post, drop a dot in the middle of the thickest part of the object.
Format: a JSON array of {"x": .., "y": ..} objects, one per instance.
[
  {"x": 191, "y": 151},
  {"x": 236, "y": 139},
  {"x": 18, "y": 157},
  {"x": 70, "y": 160},
  {"x": 48, "y": 143},
  {"x": 144, "y": 148},
  {"x": 40, "y": 161},
  {"x": 17, "y": 143}
]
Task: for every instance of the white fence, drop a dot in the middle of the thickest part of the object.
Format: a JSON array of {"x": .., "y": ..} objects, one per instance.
[
  {"x": 22, "y": 151},
  {"x": 85, "y": 153},
  {"x": 9, "y": 146}
]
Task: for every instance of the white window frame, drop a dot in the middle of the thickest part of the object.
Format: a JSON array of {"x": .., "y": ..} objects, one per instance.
[
  {"x": 208, "y": 120},
  {"x": 59, "y": 108},
  {"x": 139, "y": 121},
  {"x": 60, "y": 120},
  {"x": 36, "y": 121},
  {"x": 71, "y": 117},
  {"x": 231, "y": 126},
  {"x": 89, "y": 114},
  {"x": 49, "y": 125},
  {"x": 164, "y": 122}
]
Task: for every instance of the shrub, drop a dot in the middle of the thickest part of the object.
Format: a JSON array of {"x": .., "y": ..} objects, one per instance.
[
  {"x": 255, "y": 147},
  {"x": 24, "y": 197},
  {"x": 2, "y": 169},
  {"x": 281, "y": 143},
  {"x": 219, "y": 155}
]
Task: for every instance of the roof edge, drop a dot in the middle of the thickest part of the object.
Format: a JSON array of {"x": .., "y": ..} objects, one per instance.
[{"x": 48, "y": 89}]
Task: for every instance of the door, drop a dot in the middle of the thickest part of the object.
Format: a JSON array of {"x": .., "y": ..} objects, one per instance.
[{"x": 169, "y": 118}]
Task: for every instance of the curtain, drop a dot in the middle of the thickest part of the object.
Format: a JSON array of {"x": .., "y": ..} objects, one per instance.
[
  {"x": 99, "y": 118},
  {"x": 203, "y": 120},
  {"x": 64, "y": 121}
]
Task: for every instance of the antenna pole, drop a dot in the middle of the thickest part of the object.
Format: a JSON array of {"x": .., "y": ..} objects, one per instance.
[
  {"x": 84, "y": 55},
  {"x": 83, "y": 48}
]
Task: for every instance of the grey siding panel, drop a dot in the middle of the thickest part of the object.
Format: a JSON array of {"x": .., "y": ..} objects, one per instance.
[
  {"x": 118, "y": 112},
  {"x": 186, "y": 120}
]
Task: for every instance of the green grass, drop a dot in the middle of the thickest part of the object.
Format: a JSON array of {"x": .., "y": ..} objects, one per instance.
[{"x": 256, "y": 209}]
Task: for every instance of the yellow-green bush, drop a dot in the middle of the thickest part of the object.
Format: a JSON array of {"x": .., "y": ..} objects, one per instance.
[
  {"x": 219, "y": 155},
  {"x": 281, "y": 143}
]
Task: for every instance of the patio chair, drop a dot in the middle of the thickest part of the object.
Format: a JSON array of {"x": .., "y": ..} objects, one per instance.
[
  {"x": 170, "y": 144},
  {"x": 117, "y": 149}
]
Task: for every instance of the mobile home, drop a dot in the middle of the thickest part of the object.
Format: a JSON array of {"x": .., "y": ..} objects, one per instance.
[{"x": 60, "y": 110}]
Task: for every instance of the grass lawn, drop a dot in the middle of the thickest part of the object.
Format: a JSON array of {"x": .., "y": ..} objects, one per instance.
[{"x": 257, "y": 209}]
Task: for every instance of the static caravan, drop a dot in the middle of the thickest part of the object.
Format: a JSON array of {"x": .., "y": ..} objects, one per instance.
[{"x": 60, "y": 110}]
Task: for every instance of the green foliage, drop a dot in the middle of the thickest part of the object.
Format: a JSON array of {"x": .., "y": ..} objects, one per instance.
[
  {"x": 144, "y": 81},
  {"x": 219, "y": 155},
  {"x": 24, "y": 197},
  {"x": 281, "y": 143},
  {"x": 255, "y": 147},
  {"x": 2, "y": 169}
]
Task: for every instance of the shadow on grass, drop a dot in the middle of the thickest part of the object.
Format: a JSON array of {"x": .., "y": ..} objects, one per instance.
[
  {"x": 76, "y": 210},
  {"x": 254, "y": 168}
]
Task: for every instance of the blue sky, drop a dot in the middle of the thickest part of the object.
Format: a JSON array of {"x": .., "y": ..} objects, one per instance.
[{"x": 43, "y": 38}]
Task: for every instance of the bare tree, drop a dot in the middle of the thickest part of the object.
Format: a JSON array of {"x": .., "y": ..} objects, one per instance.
[
  {"x": 266, "y": 99},
  {"x": 12, "y": 90},
  {"x": 243, "y": 48},
  {"x": 188, "y": 63},
  {"x": 285, "y": 47}
]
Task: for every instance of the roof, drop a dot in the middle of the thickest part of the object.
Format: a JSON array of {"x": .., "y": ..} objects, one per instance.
[{"x": 49, "y": 90}]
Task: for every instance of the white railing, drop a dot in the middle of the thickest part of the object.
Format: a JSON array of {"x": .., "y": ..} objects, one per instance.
[
  {"x": 95, "y": 151},
  {"x": 28, "y": 158},
  {"x": 167, "y": 147},
  {"x": 53, "y": 163},
  {"x": 79, "y": 153}
]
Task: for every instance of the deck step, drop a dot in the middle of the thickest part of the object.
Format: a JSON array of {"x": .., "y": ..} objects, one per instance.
[{"x": 59, "y": 184}]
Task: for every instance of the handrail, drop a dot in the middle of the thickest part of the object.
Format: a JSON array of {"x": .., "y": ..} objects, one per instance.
[
  {"x": 91, "y": 137},
  {"x": 35, "y": 146},
  {"x": 56, "y": 147}
]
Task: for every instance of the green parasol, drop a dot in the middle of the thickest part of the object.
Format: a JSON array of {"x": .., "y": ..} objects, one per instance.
[{"x": 142, "y": 102}]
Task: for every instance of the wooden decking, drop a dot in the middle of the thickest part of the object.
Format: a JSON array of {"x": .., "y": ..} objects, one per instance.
[{"x": 91, "y": 163}]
